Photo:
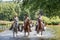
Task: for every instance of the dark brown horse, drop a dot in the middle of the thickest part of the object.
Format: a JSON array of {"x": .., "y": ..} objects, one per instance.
[
  {"x": 39, "y": 27},
  {"x": 27, "y": 26},
  {"x": 28, "y": 23}
]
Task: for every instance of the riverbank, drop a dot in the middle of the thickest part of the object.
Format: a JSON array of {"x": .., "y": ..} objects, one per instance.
[
  {"x": 8, "y": 22},
  {"x": 56, "y": 29}
]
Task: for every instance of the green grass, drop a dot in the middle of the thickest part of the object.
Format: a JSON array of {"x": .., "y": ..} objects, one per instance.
[{"x": 56, "y": 28}]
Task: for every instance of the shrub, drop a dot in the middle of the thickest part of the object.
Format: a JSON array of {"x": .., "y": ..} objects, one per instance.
[
  {"x": 53, "y": 20},
  {"x": 46, "y": 20}
]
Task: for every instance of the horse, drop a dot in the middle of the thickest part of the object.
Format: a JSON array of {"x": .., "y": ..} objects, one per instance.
[
  {"x": 39, "y": 27},
  {"x": 15, "y": 29},
  {"x": 30, "y": 25},
  {"x": 26, "y": 26}
]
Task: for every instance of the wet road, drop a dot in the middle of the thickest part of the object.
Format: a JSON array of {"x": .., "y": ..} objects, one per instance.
[{"x": 8, "y": 35}]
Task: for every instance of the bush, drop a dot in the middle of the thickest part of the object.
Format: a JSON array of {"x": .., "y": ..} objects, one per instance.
[
  {"x": 7, "y": 11},
  {"x": 53, "y": 20},
  {"x": 46, "y": 20}
]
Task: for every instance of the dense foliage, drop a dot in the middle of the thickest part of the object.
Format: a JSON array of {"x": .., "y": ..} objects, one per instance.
[
  {"x": 54, "y": 20},
  {"x": 51, "y": 9}
]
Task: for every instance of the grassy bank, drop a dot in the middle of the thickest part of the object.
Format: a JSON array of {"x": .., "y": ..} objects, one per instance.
[
  {"x": 8, "y": 22},
  {"x": 56, "y": 28}
]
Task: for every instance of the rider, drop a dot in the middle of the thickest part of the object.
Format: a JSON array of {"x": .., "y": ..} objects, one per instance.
[
  {"x": 38, "y": 19},
  {"x": 40, "y": 24},
  {"x": 15, "y": 22},
  {"x": 25, "y": 17}
]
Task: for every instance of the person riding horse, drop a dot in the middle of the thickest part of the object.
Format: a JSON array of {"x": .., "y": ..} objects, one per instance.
[
  {"x": 39, "y": 25},
  {"x": 15, "y": 25},
  {"x": 26, "y": 25}
]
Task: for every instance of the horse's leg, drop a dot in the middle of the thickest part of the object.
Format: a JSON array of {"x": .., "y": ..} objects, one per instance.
[
  {"x": 28, "y": 30},
  {"x": 13, "y": 34},
  {"x": 28, "y": 33},
  {"x": 16, "y": 34},
  {"x": 24, "y": 33},
  {"x": 16, "y": 31},
  {"x": 41, "y": 32},
  {"x": 37, "y": 30}
]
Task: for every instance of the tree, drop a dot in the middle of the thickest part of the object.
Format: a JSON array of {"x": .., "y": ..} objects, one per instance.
[{"x": 50, "y": 7}]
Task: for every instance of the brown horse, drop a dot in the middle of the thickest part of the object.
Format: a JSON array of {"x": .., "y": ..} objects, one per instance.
[
  {"x": 27, "y": 26},
  {"x": 39, "y": 27},
  {"x": 30, "y": 25}
]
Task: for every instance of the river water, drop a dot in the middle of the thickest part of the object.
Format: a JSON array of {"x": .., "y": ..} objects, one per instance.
[{"x": 8, "y": 35}]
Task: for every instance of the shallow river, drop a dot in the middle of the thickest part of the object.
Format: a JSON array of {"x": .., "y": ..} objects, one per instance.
[{"x": 8, "y": 35}]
